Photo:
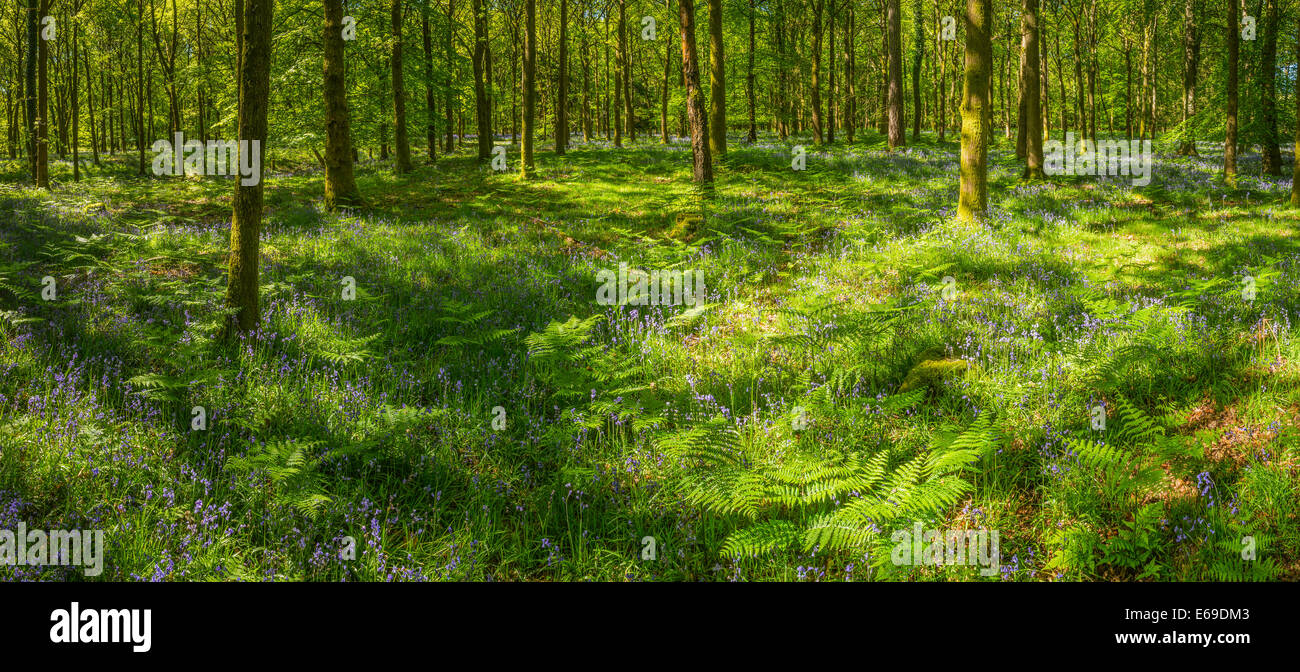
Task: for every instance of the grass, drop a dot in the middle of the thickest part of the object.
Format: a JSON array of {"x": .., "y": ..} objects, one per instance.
[{"x": 761, "y": 437}]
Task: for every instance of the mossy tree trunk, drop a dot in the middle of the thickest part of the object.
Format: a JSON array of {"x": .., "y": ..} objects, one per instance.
[
  {"x": 562, "y": 92},
  {"x": 403, "y": 164},
  {"x": 340, "y": 182},
  {"x": 529, "y": 85},
  {"x": 695, "y": 109},
  {"x": 1030, "y": 95},
  {"x": 1230, "y": 122},
  {"x": 975, "y": 128},
  {"x": 894, "y": 103},
  {"x": 717, "y": 83},
  {"x": 246, "y": 226}
]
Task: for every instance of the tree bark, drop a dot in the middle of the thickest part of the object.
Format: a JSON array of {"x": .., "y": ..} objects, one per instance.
[
  {"x": 894, "y": 23},
  {"x": 1030, "y": 95},
  {"x": 702, "y": 163},
  {"x": 975, "y": 130},
  {"x": 403, "y": 164},
  {"x": 1230, "y": 135},
  {"x": 717, "y": 84},
  {"x": 1271, "y": 154},
  {"x": 340, "y": 183},
  {"x": 529, "y": 85},
  {"x": 562, "y": 95},
  {"x": 246, "y": 225}
]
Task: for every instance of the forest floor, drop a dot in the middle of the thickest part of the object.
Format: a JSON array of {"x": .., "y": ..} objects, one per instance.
[{"x": 1105, "y": 374}]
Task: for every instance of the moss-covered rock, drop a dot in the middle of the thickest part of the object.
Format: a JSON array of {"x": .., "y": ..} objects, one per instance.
[{"x": 933, "y": 369}]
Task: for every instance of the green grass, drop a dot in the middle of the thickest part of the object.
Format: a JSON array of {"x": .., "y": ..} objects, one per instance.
[{"x": 763, "y": 437}]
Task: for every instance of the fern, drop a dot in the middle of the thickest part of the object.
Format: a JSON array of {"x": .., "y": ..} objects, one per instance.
[
  {"x": 291, "y": 473},
  {"x": 829, "y": 501}
]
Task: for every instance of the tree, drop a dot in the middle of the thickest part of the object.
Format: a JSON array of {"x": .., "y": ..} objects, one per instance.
[
  {"x": 1271, "y": 155},
  {"x": 918, "y": 53},
  {"x": 403, "y": 164},
  {"x": 340, "y": 183},
  {"x": 246, "y": 224},
  {"x": 975, "y": 129},
  {"x": 431, "y": 132},
  {"x": 702, "y": 161},
  {"x": 1230, "y": 123},
  {"x": 1295, "y": 165},
  {"x": 749, "y": 79},
  {"x": 717, "y": 83},
  {"x": 562, "y": 95},
  {"x": 1032, "y": 115},
  {"x": 815, "y": 83},
  {"x": 529, "y": 86},
  {"x": 1191, "y": 58},
  {"x": 483, "y": 104},
  {"x": 894, "y": 23},
  {"x": 33, "y": 132}
]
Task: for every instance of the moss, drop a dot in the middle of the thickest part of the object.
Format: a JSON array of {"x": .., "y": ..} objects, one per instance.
[{"x": 932, "y": 369}]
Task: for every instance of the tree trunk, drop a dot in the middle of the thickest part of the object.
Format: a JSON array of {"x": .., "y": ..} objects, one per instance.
[
  {"x": 894, "y": 25},
  {"x": 975, "y": 130},
  {"x": 1230, "y": 135},
  {"x": 529, "y": 85},
  {"x": 918, "y": 55},
  {"x": 702, "y": 162},
  {"x": 446, "y": 91},
  {"x": 1271, "y": 154},
  {"x": 245, "y": 227},
  {"x": 403, "y": 164},
  {"x": 483, "y": 105},
  {"x": 340, "y": 184},
  {"x": 1191, "y": 58},
  {"x": 1030, "y": 95},
  {"x": 816, "y": 94},
  {"x": 431, "y": 115},
  {"x": 562, "y": 96},
  {"x": 749, "y": 78},
  {"x": 717, "y": 84}
]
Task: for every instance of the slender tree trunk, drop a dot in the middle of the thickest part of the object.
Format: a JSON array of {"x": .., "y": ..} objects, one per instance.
[
  {"x": 815, "y": 83},
  {"x": 668, "y": 72},
  {"x": 431, "y": 115},
  {"x": 77, "y": 100},
  {"x": 1191, "y": 58},
  {"x": 1271, "y": 154},
  {"x": 33, "y": 131},
  {"x": 717, "y": 84},
  {"x": 749, "y": 79},
  {"x": 850, "y": 76},
  {"x": 695, "y": 109},
  {"x": 403, "y": 163},
  {"x": 340, "y": 184},
  {"x": 483, "y": 105},
  {"x": 975, "y": 130},
  {"x": 529, "y": 85},
  {"x": 1230, "y": 136},
  {"x": 449, "y": 49},
  {"x": 246, "y": 225},
  {"x": 918, "y": 54},
  {"x": 620, "y": 58},
  {"x": 562, "y": 96},
  {"x": 1295, "y": 164},
  {"x": 1032, "y": 116},
  {"x": 894, "y": 20}
]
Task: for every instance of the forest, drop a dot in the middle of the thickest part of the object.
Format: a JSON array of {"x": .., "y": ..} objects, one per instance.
[{"x": 650, "y": 290}]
